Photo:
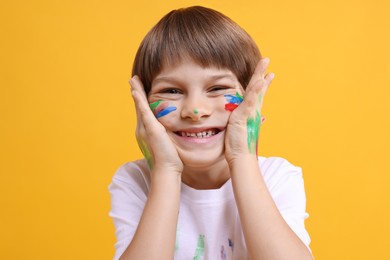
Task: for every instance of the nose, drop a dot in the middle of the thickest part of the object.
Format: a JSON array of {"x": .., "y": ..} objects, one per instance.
[{"x": 195, "y": 109}]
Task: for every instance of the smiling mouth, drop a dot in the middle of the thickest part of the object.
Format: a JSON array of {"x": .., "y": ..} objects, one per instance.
[{"x": 202, "y": 134}]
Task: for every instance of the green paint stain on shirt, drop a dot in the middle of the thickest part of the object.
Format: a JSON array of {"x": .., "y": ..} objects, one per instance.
[
  {"x": 155, "y": 104},
  {"x": 199, "y": 248},
  {"x": 177, "y": 239},
  {"x": 253, "y": 126}
]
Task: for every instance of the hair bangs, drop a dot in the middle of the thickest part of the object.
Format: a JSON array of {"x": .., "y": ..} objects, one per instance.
[{"x": 206, "y": 36}]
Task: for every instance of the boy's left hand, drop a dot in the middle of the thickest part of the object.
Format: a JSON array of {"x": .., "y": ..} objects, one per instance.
[{"x": 244, "y": 123}]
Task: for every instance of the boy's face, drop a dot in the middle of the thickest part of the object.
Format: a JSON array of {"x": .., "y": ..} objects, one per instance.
[{"x": 189, "y": 101}]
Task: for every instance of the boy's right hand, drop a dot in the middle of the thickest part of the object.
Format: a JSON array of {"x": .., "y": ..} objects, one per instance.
[{"x": 152, "y": 138}]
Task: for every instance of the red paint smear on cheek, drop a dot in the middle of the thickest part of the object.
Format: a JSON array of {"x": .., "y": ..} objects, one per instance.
[
  {"x": 160, "y": 107},
  {"x": 230, "y": 107}
]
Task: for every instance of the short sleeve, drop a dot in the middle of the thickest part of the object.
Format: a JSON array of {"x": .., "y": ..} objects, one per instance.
[
  {"x": 286, "y": 185},
  {"x": 128, "y": 191}
]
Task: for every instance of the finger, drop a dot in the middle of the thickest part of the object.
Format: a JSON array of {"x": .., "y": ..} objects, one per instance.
[
  {"x": 265, "y": 83},
  {"x": 247, "y": 106},
  {"x": 144, "y": 113},
  {"x": 139, "y": 94},
  {"x": 132, "y": 89},
  {"x": 259, "y": 84},
  {"x": 137, "y": 86},
  {"x": 262, "y": 66},
  {"x": 140, "y": 130},
  {"x": 269, "y": 78},
  {"x": 255, "y": 94},
  {"x": 259, "y": 72}
]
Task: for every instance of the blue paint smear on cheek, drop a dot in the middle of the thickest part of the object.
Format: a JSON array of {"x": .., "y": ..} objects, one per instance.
[
  {"x": 165, "y": 111},
  {"x": 233, "y": 99}
]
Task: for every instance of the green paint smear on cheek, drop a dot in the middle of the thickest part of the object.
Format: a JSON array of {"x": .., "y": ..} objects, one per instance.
[
  {"x": 199, "y": 248},
  {"x": 145, "y": 151},
  {"x": 253, "y": 127},
  {"x": 155, "y": 104}
]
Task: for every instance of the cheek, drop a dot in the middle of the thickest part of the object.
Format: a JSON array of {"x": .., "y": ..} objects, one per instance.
[
  {"x": 168, "y": 122},
  {"x": 162, "y": 108},
  {"x": 233, "y": 100},
  {"x": 165, "y": 112}
]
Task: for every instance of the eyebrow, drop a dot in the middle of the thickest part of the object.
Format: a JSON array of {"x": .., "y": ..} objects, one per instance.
[{"x": 212, "y": 77}]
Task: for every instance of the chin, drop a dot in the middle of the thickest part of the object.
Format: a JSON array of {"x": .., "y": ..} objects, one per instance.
[{"x": 201, "y": 159}]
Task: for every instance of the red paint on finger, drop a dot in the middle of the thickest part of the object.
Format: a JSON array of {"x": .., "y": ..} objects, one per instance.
[{"x": 230, "y": 107}]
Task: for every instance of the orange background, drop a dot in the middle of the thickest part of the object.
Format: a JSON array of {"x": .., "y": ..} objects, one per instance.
[{"x": 67, "y": 118}]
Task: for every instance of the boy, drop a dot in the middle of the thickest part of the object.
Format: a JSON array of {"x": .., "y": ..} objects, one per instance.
[{"x": 202, "y": 192}]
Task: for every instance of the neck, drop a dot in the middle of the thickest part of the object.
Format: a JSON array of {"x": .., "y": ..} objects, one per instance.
[{"x": 208, "y": 177}]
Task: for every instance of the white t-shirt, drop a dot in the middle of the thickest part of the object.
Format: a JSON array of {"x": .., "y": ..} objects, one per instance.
[{"x": 208, "y": 225}]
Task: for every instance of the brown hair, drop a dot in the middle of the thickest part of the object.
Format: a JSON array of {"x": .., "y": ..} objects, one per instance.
[{"x": 208, "y": 37}]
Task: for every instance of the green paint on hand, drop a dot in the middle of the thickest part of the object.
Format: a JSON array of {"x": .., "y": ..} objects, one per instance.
[
  {"x": 239, "y": 96},
  {"x": 145, "y": 151},
  {"x": 253, "y": 126},
  {"x": 199, "y": 248},
  {"x": 155, "y": 104},
  {"x": 196, "y": 111},
  {"x": 259, "y": 101}
]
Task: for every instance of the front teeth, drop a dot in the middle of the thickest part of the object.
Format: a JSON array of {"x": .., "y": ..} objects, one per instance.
[{"x": 199, "y": 135}]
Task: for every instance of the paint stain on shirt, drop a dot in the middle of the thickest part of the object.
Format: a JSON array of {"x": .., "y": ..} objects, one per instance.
[
  {"x": 199, "y": 251},
  {"x": 231, "y": 244},
  {"x": 177, "y": 239},
  {"x": 223, "y": 253}
]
